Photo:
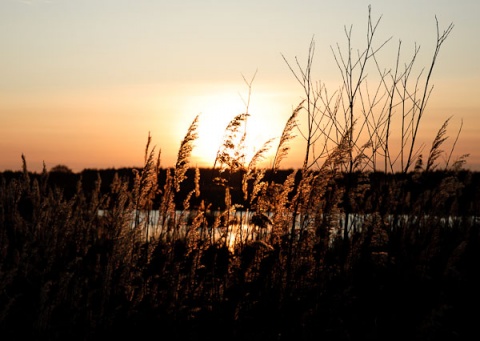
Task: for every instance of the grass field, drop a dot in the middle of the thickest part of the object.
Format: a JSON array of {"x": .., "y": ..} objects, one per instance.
[{"x": 155, "y": 252}]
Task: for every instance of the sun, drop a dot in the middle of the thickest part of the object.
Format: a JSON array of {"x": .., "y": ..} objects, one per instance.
[{"x": 218, "y": 109}]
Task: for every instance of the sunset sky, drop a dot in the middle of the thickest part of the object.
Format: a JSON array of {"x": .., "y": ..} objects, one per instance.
[{"x": 83, "y": 82}]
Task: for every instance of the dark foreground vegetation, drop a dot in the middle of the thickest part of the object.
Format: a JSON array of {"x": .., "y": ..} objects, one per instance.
[
  {"x": 405, "y": 272},
  {"x": 343, "y": 248}
]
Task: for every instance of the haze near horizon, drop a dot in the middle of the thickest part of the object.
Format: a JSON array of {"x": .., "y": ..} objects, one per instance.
[{"x": 84, "y": 83}]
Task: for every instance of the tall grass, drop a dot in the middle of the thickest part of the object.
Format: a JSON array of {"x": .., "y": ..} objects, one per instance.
[{"x": 330, "y": 250}]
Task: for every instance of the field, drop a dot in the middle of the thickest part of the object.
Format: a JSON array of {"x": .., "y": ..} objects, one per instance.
[
  {"x": 408, "y": 270},
  {"x": 362, "y": 242}
]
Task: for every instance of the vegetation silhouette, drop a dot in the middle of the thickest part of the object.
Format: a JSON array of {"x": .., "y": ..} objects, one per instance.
[{"x": 343, "y": 248}]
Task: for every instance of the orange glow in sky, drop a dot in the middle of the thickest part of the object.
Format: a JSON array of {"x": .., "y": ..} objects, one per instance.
[{"x": 83, "y": 83}]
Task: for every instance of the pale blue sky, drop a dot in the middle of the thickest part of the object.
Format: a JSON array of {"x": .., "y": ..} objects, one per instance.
[{"x": 83, "y": 82}]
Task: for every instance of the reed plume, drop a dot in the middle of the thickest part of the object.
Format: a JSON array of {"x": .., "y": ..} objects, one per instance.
[
  {"x": 145, "y": 181},
  {"x": 435, "y": 150},
  {"x": 231, "y": 154},
  {"x": 283, "y": 147},
  {"x": 253, "y": 171},
  {"x": 183, "y": 158}
]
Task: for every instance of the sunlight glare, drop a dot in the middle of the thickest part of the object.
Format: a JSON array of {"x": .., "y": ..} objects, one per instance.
[{"x": 264, "y": 123}]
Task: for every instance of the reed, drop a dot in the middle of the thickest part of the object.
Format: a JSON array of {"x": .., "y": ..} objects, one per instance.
[{"x": 333, "y": 250}]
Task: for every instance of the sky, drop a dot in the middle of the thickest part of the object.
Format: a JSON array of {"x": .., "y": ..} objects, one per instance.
[{"x": 83, "y": 83}]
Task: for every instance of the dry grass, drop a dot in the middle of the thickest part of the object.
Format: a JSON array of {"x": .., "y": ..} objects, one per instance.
[
  {"x": 328, "y": 251},
  {"x": 298, "y": 268}
]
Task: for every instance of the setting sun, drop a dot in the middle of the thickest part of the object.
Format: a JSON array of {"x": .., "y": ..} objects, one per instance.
[
  {"x": 84, "y": 82},
  {"x": 265, "y": 122},
  {"x": 246, "y": 170}
]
